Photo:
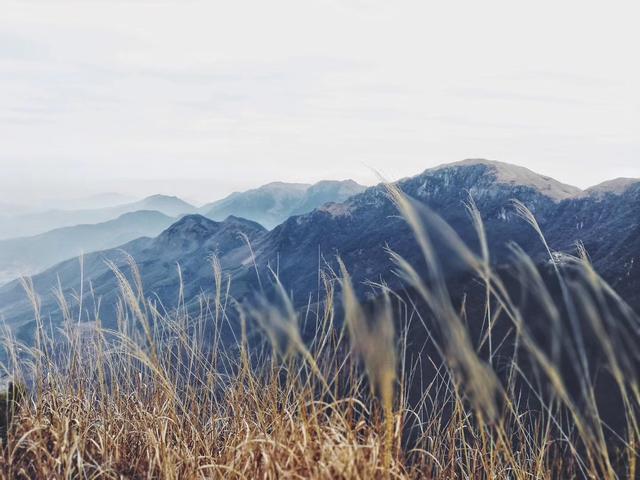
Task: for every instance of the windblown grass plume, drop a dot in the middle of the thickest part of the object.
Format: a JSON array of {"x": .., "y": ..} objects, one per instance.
[{"x": 223, "y": 390}]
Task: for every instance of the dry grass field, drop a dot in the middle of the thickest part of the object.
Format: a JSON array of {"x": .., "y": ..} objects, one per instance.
[{"x": 167, "y": 395}]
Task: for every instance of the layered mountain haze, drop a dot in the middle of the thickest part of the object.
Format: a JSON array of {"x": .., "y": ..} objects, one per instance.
[
  {"x": 273, "y": 203},
  {"x": 605, "y": 219},
  {"x": 35, "y": 223},
  {"x": 29, "y": 255}
]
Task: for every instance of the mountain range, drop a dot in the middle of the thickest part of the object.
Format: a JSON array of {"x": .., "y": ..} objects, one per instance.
[
  {"x": 272, "y": 204},
  {"x": 110, "y": 227},
  {"x": 605, "y": 218}
]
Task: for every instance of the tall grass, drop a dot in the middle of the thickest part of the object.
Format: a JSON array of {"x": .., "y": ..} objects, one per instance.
[{"x": 397, "y": 388}]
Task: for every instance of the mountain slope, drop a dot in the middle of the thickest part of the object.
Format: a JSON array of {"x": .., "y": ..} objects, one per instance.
[
  {"x": 606, "y": 219},
  {"x": 273, "y": 203},
  {"x": 35, "y": 223},
  {"x": 30, "y": 255},
  {"x": 516, "y": 176},
  {"x": 360, "y": 228},
  {"x": 189, "y": 243}
]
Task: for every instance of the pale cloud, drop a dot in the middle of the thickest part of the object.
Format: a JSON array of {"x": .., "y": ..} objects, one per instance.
[{"x": 96, "y": 94}]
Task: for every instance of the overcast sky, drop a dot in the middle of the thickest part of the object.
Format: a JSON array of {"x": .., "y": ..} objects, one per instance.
[{"x": 199, "y": 98}]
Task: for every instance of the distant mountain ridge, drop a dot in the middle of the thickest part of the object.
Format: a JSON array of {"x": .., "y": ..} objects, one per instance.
[
  {"x": 273, "y": 203},
  {"x": 360, "y": 228},
  {"x": 29, "y": 255},
  {"x": 36, "y": 223}
]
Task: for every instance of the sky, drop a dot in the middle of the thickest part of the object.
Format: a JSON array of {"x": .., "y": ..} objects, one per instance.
[{"x": 201, "y": 98}]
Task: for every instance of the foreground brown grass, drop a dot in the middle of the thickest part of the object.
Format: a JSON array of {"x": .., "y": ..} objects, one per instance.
[{"x": 185, "y": 395}]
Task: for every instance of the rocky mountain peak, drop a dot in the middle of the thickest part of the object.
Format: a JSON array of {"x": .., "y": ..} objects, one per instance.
[
  {"x": 193, "y": 227},
  {"x": 234, "y": 221},
  {"x": 510, "y": 175}
]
